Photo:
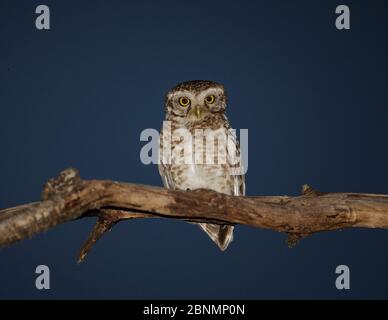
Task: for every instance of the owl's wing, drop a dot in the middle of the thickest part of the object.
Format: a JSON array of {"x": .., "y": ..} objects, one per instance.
[
  {"x": 235, "y": 165},
  {"x": 164, "y": 168},
  {"x": 165, "y": 173},
  {"x": 239, "y": 185}
]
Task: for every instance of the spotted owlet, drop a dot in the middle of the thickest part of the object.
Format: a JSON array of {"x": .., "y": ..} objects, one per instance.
[{"x": 203, "y": 150}]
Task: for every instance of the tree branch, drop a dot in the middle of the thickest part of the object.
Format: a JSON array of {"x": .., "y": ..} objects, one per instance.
[{"x": 68, "y": 197}]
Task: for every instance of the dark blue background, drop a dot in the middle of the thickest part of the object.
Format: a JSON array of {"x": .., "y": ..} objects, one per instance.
[{"x": 313, "y": 98}]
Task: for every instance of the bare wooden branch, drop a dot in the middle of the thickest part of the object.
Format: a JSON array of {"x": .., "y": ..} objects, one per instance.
[{"x": 68, "y": 197}]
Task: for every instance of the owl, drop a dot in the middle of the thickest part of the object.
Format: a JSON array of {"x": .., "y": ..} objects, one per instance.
[{"x": 203, "y": 149}]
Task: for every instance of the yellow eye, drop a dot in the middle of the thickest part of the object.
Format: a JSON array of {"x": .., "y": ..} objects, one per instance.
[
  {"x": 210, "y": 99},
  {"x": 184, "y": 102}
]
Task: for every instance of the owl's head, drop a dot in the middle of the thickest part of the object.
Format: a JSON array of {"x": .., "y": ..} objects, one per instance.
[{"x": 196, "y": 100}]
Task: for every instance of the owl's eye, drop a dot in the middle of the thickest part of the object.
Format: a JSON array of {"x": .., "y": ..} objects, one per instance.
[
  {"x": 210, "y": 99},
  {"x": 184, "y": 102}
]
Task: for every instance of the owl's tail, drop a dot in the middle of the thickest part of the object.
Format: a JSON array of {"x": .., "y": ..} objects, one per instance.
[{"x": 221, "y": 235}]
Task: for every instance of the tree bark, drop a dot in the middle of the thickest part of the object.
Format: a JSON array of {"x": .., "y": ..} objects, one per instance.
[{"x": 68, "y": 197}]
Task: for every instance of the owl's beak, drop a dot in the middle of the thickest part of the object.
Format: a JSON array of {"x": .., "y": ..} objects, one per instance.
[{"x": 198, "y": 111}]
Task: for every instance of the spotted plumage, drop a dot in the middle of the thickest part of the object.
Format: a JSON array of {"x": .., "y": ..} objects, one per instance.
[{"x": 196, "y": 109}]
